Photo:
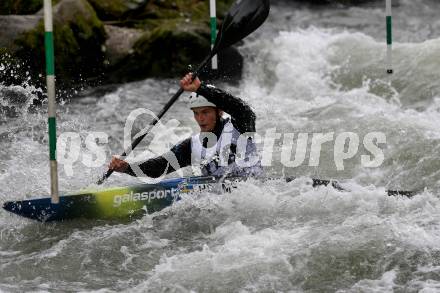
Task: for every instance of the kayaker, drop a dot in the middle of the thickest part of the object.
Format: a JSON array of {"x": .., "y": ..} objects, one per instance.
[{"x": 217, "y": 155}]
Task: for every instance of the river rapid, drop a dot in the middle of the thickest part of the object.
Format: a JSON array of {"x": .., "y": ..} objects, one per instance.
[{"x": 307, "y": 70}]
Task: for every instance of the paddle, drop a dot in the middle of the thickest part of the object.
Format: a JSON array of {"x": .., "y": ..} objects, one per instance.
[{"x": 244, "y": 17}]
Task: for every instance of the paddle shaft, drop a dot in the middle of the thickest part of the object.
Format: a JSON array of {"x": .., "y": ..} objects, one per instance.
[{"x": 159, "y": 116}]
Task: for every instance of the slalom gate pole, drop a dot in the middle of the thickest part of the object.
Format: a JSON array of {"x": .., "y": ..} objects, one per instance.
[
  {"x": 50, "y": 82},
  {"x": 389, "y": 37},
  {"x": 213, "y": 16}
]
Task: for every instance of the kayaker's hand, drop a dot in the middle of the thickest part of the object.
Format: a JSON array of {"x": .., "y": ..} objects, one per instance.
[
  {"x": 118, "y": 165},
  {"x": 189, "y": 86}
]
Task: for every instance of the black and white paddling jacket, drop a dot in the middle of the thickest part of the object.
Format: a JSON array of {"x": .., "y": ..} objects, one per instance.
[{"x": 215, "y": 152}]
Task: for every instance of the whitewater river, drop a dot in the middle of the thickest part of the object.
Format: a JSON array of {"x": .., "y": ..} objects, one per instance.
[{"x": 306, "y": 71}]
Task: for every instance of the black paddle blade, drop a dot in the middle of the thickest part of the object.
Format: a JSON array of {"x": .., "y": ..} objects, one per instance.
[{"x": 244, "y": 17}]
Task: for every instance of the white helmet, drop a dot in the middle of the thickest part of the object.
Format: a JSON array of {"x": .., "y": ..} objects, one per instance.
[{"x": 196, "y": 100}]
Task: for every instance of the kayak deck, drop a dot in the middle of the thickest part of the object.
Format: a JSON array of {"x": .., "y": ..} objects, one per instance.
[
  {"x": 133, "y": 201},
  {"x": 113, "y": 203}
]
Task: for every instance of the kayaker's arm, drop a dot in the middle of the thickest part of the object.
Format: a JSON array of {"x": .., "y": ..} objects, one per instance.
[
  {"x": 156, "y": 167},
  {"x": 243, "y": 117}
]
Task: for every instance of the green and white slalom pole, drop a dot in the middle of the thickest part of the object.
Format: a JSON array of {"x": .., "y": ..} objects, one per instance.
[
  {"x": 389, "y": 38},
  {"x": 213, "y": 16},
  {"x": 50, "y": 82}
]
